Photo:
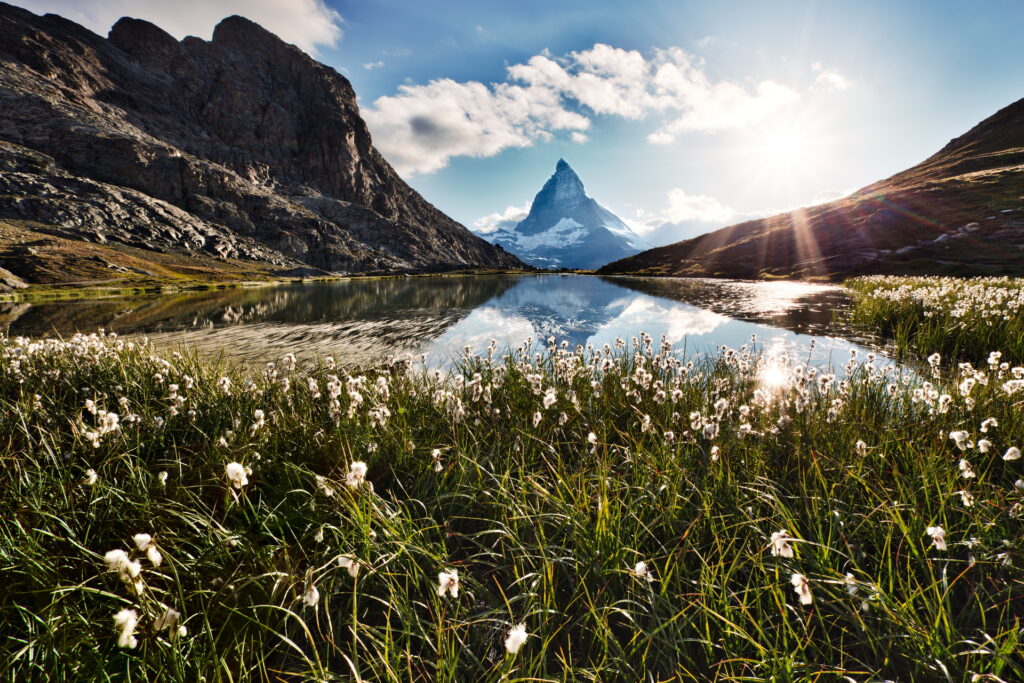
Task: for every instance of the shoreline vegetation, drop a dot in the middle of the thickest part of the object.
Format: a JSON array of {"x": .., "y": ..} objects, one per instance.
[
  {"x": 959, "y": 318},
  {"x": 550, "y": 513},
  {"x": 72, "y": 292}
]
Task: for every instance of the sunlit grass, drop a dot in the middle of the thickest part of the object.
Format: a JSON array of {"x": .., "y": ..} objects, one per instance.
[
  {"x": 961, "y": 318},
  {"x": 543, "y": 482}
]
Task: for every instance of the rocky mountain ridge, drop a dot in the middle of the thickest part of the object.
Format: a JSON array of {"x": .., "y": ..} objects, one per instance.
[
  {"x": 238, "y": 148},
  {"x": 567, "y": 229},
  {"x": 959, "y": 212}
]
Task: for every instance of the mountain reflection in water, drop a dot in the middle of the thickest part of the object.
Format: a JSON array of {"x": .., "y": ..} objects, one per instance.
[{"x": 363, "y": 321}]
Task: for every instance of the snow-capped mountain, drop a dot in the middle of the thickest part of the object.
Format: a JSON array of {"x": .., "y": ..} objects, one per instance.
[{"x": 567, "y": 229}]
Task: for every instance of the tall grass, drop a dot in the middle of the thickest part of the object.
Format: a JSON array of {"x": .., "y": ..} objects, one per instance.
[
  {"x": 961, "y": 318},
  {"x": 545, "y": 523}
]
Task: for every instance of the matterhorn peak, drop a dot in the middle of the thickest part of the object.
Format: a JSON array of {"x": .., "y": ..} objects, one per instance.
[
  {"x": 567, "y": 229},
  {"x": 564, "y": 188}
]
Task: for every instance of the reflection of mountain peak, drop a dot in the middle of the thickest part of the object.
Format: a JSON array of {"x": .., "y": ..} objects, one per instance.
[
  {"x": 576, "y": 309},
  {"x": 567, "y": 229}
]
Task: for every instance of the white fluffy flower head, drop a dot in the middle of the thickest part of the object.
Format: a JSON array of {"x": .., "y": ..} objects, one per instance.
[
  {"x": 517, "y": 635},
  {"x": 780, "y": 544},
  {"x": 448, "y": 582}
]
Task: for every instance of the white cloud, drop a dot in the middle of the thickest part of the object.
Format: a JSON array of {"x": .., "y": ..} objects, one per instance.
[
  {"x": 682, "y": 208},
  {"x": 696, "y": 207},
  {"x": 370, "y": 66},
  {"x": 684, "y": 216},
  {"x": 506, "y": 220},
  {"x": 704, "y": 42},
  {"x": 829, "y": 79},
  {"x": 422, "y": 126},
  {"x": 578, "y": 137},
  {"x": 308, "y": 24}
]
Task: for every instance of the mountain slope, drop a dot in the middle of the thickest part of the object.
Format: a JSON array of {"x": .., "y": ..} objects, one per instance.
[
  {"x": 961, "y": 211},
  {"x": 567, "y": 229},
  {"x": 241, "y": 147}
]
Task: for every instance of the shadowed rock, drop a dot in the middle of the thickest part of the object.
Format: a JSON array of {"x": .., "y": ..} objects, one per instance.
[{"x": 241, "y": 147}]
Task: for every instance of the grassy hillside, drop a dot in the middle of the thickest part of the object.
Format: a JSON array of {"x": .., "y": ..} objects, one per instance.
[{"x": 960, "y": 212}]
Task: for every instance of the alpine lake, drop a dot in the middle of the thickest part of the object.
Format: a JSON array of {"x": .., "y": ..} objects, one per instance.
[{"x": 434, "y": 319}]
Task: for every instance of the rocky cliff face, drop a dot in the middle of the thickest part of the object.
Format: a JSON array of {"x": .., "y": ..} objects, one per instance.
[
  {"x": 567, "y": 229},
  {"x": 959, "y": 212},
  {"x": 241, "y": 147}
]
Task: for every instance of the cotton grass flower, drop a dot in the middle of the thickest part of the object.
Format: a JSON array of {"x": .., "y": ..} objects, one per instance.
[
  {"x": 780, "y": 544},
  {"x": 517, "y": 635},
  {"x": 237, "y": 474},
  {"x": 125, "y": 622},
  {"x": 862, "y": 448},
  {"x": 642, "y": 571},
  {"x": 1012, "y": 453},
  {"x": 984, "y": 445},
  {"x": 351, "y": 565},
  {"x": 91, "y": 478},
  {"x": 802, "y": 587},
  {"x": 966, "y": 471},
  {"x": 938, "y": 535},
  {"x": 144, "y": 542},
  {"x": 162, "y": 478},
  {"x": 118, "y": 561},
  {"x": 851, "y": 583},
  {"x": 168, "y": 621},
  {"x": 356, "y": 476},
  {"x": 960, "y": 439},
  {"x": 448, "y": 582},
  {"x": 550, "y": 398},
  {"x": 312, "y": 597}
]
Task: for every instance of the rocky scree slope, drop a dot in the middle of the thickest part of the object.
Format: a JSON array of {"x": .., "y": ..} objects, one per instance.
[
  {"x": 959, "y": 212},
  {"x": 240, "y": 148}
]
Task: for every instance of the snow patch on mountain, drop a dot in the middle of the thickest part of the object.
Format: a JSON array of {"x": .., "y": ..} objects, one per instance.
[
  {"x": 561, "y": 234},
  {"x": 567, "y": 229}
]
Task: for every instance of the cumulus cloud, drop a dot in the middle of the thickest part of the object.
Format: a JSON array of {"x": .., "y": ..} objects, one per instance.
[
  {"x": 578, "y": 137},
  {"x": 422, "y": 126},
  {"x": 309, "y": 24},
  {"x": 829, "y": 79},
  {"x": 505, "y": 220},
  {"x": 370, "y": 66},
  {"x": 683, "y": 216},
  {"x": 696, "y": 207}
]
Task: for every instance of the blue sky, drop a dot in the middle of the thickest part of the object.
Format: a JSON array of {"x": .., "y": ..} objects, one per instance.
[{"x": 685, "y": 115}]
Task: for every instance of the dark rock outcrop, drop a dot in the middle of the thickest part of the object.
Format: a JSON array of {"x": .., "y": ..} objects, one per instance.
[
  {"x": 241, "y": 147},
  {"x": 959, "y": 212}
]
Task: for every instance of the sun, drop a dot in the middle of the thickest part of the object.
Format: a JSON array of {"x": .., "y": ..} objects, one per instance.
[{"x": 784, "y": 148}]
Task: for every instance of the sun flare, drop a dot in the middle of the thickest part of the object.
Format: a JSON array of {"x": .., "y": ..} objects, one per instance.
[{"x": 784, "y": 148}]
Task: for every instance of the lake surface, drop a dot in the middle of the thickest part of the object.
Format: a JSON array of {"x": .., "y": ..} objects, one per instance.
[{"x": 365, "y": 321}]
